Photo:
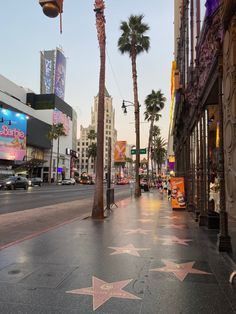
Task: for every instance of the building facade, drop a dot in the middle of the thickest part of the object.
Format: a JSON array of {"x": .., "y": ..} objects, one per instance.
[
  {"x": 40, "y": 112},
  {"x": 86, "y": 164},
  {"x": 204, "y": 115}
]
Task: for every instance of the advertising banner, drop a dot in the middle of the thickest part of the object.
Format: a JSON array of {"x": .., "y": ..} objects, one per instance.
[
  {"x": 171, "y": 163},
  {"x": 177, "y": 192},
  {"x": 60, "y": 117},
  {"x": 12, "y": 135},
  {"x": 60, "y": 74},
  {"x": 47, "y": 72},
  {"x": 120, "y": 151}
]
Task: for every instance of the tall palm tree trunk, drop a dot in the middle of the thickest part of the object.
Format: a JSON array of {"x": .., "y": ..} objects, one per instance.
[
  {"x": 50, "y": 164},
  {"x": 98, "y": 202},
  {"x": 58, "y": 149},
  {"x": 137, "y": 131},
  {"x": 149, "y": 148}
]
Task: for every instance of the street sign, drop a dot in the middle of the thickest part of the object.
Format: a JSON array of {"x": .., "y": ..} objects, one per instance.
[{"x": 141, "y": 151}]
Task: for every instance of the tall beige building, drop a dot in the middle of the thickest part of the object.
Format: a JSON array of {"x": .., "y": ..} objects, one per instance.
[{"x": 85, "y": 165}]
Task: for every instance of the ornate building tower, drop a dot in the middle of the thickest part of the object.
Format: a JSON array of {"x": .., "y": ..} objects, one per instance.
[{"x": 109, "y": 131}]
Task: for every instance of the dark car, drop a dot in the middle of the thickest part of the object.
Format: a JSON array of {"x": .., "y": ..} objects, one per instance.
[
  {"x": 13, "y": 183},
  {"x": 35, "y": 181},
  {"x": 2, "y": 184}
]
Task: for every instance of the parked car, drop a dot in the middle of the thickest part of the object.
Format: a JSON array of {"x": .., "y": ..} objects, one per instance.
[
  {"x": 13, "y": 183},
  {"x": 70, "y": 181},
  {"x": 35, "y": 181},
  {"x": 2, "y": 184},
  {"x": 86, "y": 180},
  {"x": 122, "y": 181}
]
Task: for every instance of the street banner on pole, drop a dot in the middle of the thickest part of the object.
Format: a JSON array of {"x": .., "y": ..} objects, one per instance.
[
  {"x": 120, "y": 151},
  {"x": 177, "y": 192}
]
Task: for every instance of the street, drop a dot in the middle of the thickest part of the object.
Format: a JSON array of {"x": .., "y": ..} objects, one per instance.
[
  {"x": 24, "y": 214},
  {"x": 35, "y": 197}
]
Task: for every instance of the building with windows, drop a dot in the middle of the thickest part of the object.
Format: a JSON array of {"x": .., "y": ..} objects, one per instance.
[
  {"x": 25, "y": 121},
  {"x": 86, "y": 164},
  {"x": 204, "y": 116}
]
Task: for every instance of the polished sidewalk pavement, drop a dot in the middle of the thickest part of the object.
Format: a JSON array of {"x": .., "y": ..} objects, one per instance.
[{"x": 143, "y": 258}]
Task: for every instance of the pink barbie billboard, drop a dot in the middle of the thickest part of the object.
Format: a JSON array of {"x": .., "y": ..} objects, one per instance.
[{"x": 12, "y": 135}]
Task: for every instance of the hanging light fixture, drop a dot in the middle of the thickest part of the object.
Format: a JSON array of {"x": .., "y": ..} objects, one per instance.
[{"x": 52, "y": 8}]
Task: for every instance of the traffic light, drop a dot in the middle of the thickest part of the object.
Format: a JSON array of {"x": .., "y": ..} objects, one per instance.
[{"x": 52, "y": 8}]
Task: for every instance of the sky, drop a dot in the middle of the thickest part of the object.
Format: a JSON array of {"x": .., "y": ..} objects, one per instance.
[{"x": 25, "y": 31}]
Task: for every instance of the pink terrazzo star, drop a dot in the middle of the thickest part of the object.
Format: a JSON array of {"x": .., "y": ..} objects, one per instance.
[
  {"x": 179, "y": 270},
  {"x": 102, "y": 291},
  {"x": 176, "y": 226},
  {"x": 128, "y": 249},
  {"x": 137, "y": 231},
  {"x": 145, "y": 220},
  {"x": 170, "y": 240}
]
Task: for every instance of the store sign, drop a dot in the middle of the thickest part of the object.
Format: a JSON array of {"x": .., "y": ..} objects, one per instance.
[{"x": 12, "y": 135}]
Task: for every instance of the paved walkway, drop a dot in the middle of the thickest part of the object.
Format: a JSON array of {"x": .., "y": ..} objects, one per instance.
[{"x": 144, "y": 258}]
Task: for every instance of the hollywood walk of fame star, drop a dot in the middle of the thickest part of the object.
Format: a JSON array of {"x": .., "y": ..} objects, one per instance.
[
  {"x": 170, "y": 240},
  {"x": 102, "y": 291},
  {"x": 179, "y": 270},
  {"x": 176, "y": 226},
  {"x": 135, "y": 231},
  {"x": 145, "y": 220},
  {"x": 128, "y": 249}
]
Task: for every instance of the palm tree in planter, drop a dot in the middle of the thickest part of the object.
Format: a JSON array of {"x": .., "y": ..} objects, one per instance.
[
  {"x": 154, "y": 102},
  {"x": 52, "y": 135},
  {"x": 134, "y": 41},
  {"x": 91, "y": 136},
  {"x": 92, "y": 153}
]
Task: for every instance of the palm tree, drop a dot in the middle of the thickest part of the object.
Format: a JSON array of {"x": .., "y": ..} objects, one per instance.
[
  {"x": 134, "y": 41},
  {"x": 52, "y": 135},
  {"x": 92, "y": 152},
  {"x": 91, "y": 136},
  {"x": 98, "y": 202},
  {"x": 59, "y": 131},
  {"x": 154, "y": 102},
  {"x": 155, "y": 132},
  {"x": 160, "y": 152}
]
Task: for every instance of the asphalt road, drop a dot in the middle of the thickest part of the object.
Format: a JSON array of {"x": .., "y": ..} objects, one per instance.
[{"x": 18, "y": 200}]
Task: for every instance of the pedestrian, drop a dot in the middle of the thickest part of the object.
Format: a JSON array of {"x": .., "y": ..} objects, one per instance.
[
  {"x": 169, "y": 190},
  {"x": 165, "y": 186}
]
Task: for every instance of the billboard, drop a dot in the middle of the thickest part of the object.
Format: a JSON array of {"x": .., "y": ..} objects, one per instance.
[
  {"x": 60, "y": 74},
  {"x": 177, "y": 192},
  {"x": 13, "y": 127},
  {"x": 120, "y": 151},
  {"x": 60, "y": 117},
  {"x": 53, "y": 73},
  {"x": 47, "y": 72}
]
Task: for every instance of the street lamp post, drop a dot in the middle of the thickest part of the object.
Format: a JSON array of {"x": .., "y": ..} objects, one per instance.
[
  {"x": 137, "y": 132},
  {"x": 52, "y": 8}
]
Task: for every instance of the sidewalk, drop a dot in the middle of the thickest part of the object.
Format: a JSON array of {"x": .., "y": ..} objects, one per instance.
[{"x": 143, "y": 258}]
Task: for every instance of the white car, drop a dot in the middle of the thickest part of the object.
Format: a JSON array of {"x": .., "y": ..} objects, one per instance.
[{"x": 70, "y": 181}]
